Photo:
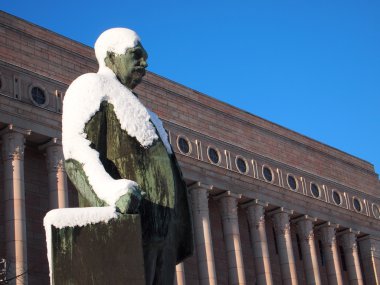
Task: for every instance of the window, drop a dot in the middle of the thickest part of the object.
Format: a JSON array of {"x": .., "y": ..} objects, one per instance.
[
  {"x": 315, "y": 190},
  {"x": 38, "y": 96},
  {"x": 213, "y": 155},
  {"x": 292, "y": 182},
  {"x": 184, "y": 145},
  {"x": 267, "y": 173},
  {"x": 337, "y": 197},
  {"x": 357, "y": 204},
  {"x": 376, "y": 211},
  {"x": 241, "y": 164}
]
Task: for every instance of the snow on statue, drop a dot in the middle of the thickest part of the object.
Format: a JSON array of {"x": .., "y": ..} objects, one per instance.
[{"x": 117, "y": 153}]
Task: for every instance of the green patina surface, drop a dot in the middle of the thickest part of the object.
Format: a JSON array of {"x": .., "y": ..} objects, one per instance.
[
  {"x": 102, "y": 253},
  {"x": 155, "y": 171}
]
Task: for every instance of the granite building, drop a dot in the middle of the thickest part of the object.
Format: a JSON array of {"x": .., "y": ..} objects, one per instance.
[{"x": 269, "y": 205}]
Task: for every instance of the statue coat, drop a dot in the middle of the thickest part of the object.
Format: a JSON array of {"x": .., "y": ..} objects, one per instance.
[{"x": 164, "y": 210}]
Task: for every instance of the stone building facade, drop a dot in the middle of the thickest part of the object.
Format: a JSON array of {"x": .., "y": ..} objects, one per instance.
[{"x": 269, "y": 205}]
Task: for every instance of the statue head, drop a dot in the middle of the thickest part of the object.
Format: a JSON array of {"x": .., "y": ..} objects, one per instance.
[{"x": 120, "y": 50}]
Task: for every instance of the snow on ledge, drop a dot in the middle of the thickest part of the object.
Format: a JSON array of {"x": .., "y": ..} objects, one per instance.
[{"x": 71, "y": 217}]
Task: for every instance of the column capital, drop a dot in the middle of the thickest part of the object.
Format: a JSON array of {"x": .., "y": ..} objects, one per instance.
[
  {"x": 305, "y": 227},
  {"x": 255, "y": 212},
  {"x": 55, "y": 160},
  {"x": 51, "y": 142},
  {"x": 280, "y": 210},
  {"x": 348, "y": 231},
  {"x": 11, "y": 128},
  {"x": 13, "y": 140},
  {"x": 348, "y": 239},
  {"x": 327, "y": 224},
  {"x": 254, "y": 202},
  {"x": 227, "y": 194},
  {"x": 370, "y": 245},
  {"x": 281, "y": 220},
  {"x": 304, "y": 218},
  {"x": 200, "y": 185}
]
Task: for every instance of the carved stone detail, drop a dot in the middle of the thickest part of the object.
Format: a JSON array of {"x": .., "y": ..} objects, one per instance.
[
  {"x": 256, "y": 216},
  {"x": 349, "y": 241},
  {"x": 305, "y": 230},
  {"x": 55, "y": 159},
  {"x": 328, "y": 236},
  {"x": 228, "y": 207},
  {"x": 13, "y": 146},
  {"x": 199, "y": 199},
  {"x": 281, "y": 223}
]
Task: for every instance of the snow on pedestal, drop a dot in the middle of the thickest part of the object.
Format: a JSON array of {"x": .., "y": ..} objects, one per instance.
[{"x": 91, "y": 243}]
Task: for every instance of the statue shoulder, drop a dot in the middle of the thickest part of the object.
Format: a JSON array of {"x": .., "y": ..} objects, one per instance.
[{"x": 84, "y": 84}]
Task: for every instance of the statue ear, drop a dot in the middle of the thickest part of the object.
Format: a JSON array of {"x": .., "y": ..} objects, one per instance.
[{"x": 111, "y": 57}]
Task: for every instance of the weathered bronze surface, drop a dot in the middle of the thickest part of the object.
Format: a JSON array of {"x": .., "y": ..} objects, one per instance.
[{"x": 99, "y": 254}]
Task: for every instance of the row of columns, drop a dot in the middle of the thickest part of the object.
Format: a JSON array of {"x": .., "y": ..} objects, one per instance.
[
  {"x": 255, "y": 209},
  {"x": 13, "y": 146}
]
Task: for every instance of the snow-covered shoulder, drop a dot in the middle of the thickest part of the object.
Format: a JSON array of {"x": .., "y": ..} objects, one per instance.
[
  {"x": 82, "y": 100},
  {"x": 71, "y": 217}
]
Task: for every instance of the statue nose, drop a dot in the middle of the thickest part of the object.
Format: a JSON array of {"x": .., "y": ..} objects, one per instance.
[{"x": 143, "y": 63}]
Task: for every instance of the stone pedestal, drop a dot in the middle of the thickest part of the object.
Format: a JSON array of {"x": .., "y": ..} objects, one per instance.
[{"x": 101, "y": 253}]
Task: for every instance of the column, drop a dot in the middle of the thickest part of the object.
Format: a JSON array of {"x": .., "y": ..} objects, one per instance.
[
  {"x": 58, "y": 196},
  {"x": 15, "y": 221},
  {"x": 329, "y": 247},
  {"x": 309, "y": 253},
  {"x": 180, "y": 274},
  {"x": 370, "y": 255},
  {"x": 284, "y": 244},
  {"x": 229, "y": 211},
  {"x": 202, "y": 233},
  {"x": 350, "y": 247},
  {"x": 256, "y": 220}
]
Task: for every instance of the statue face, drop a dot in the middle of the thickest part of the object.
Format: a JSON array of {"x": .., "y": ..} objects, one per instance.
[{"x": 129, "y": 68}]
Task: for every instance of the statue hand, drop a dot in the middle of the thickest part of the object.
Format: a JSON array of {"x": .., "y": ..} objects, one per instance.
[{"x": 130, "y": 202}]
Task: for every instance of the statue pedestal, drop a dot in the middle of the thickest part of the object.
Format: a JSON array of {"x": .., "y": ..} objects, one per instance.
[{"x": 101, "y": 253}]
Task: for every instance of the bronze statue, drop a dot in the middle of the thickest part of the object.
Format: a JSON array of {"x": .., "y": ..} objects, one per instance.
[{"x": 122, "y": 141}]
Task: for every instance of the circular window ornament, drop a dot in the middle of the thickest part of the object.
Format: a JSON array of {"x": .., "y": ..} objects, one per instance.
[
  {"x": 38, "y": 96},
  {"x": 337, "y": 197},
  {"x": 357, "y": 204},
  {"x": 241, "y": 164},
  {"x": 213, "y": 155},
  {"x": 292, "y": 182},
  {"x": 267, "y": 173},
  {"x": 376, "y": 211},
  {"x": 314, "y": 188},
  {"x": 184, "y": 145}
]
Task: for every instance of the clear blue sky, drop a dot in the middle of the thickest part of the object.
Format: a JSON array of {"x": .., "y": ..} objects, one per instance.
[{"x": 311, "y": 66}]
